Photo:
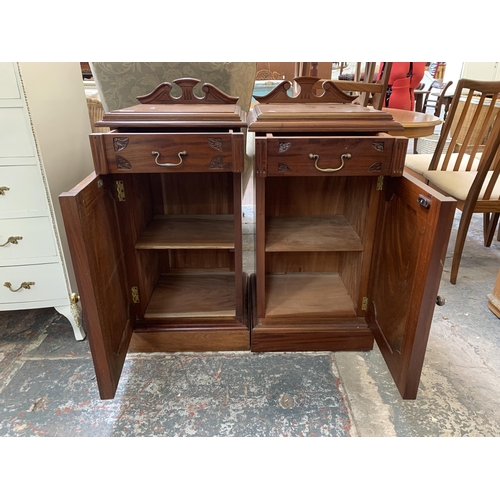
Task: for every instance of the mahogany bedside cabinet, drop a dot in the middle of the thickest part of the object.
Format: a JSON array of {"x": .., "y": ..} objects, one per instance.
[
  {"x": 155, "y": 232},
  {"x": 348, "y": 248}
]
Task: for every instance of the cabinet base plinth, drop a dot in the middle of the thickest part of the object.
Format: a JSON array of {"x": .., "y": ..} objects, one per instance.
[
  {"x": 310, "y": 337},
  {"x": 213, "y": 337}
]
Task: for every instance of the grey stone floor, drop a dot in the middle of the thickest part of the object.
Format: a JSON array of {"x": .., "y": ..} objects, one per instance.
[
  {"x": 47, "y": 383},
  {"x": 459, "y": 393}
]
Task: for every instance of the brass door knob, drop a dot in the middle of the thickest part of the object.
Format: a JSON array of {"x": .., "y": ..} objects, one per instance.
[{"x": 440, "y": 300}]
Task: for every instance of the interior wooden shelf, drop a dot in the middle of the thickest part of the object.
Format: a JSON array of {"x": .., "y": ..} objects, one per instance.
[
  {"x": 191, "y": 295},
  {"x": 189, "y": 232},
  {"x": 311, "y": 234},
  {"x": 307, "y": 294}
]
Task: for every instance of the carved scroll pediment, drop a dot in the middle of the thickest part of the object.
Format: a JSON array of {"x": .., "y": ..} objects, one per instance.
[
  {"x": 161, "y": 95},
  {"x": 329, "y": 92}
]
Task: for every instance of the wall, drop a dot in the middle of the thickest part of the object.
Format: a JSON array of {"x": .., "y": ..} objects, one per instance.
[
  {"x": 58, "y": 109},
  {"x": 481, "y": 70}
]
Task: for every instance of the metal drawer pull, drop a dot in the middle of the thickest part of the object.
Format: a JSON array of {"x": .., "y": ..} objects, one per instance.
[
  {"x": 13, "y": 240},
  {"x": 3, "y": 189},
  {"x": 343, "y": 157},
  {"x": 182, "y": 153},
  {"x": 25, "y": 284}
]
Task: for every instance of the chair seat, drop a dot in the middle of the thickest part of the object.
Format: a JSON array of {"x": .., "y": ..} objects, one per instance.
[
  {"x": 419, "y": 163},
  {"x": 458, "y": 184}
]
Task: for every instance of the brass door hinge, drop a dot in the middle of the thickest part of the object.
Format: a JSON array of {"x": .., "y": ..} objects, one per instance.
[
  {"x": 120, "y": 191},
  {"x": 380, "y": 183},
  {"x": 135, "y": 295},
  {"x": 364, "y": 304}
]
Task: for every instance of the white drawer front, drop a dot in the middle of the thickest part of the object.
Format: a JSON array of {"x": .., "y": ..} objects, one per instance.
[
  {"x": 23, "y": 190},
  {"x": 16, "y": 136},
  {"x": 27, "y": 238},
  {"x": 8, "y": 83},
  {"x": 48, "y": 284}
]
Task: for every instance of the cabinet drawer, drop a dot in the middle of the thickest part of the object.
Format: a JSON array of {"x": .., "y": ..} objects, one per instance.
[
  {"x": 26, "y": 238},
  {"x": 23, "y": 190},
  {"x": 48, "y": 284},
  {"x": 16, "y": 137},
  {"x": 328, "y": 155},
  {"x": 164, "y": 152}
]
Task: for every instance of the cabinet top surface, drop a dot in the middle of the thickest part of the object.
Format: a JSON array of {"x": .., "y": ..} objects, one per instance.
[
  {"x": 175, "y": 115},
  {"x": 316, "y": 117}
]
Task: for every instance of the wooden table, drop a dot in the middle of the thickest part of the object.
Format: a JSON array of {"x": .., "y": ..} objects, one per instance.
[{"x": 415, "y": 124}]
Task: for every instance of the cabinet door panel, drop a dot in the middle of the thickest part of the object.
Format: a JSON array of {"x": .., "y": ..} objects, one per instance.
[
  {"x": 94, "y": 238},
  {"x": 406, "y": 274}
]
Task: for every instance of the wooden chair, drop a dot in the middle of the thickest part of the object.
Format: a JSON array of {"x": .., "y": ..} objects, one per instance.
[
  {"x": 435, "y": 99},
  {"x": 469, "y": 170},
  {"x": 370, "y": 93},
  {"x": 463, "y": 134}
]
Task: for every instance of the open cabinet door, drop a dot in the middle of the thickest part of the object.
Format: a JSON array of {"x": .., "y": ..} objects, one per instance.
[
  {"x": 414, "y": 229},
  {"x": 93, "y": 234}
]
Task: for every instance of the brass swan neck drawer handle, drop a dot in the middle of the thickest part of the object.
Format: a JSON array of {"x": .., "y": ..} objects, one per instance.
[
  {"x": 3, "y": 189},
  {"x": 343, "y": 157},
  {"x": 12, "y": 239},
  {"x": 25, "y": 284},
  {"x": 180, "y": 155}
]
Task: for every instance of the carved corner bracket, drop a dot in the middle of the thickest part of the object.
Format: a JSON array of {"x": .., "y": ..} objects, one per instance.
[
  {"x": 161, "y": 95},
  {"x": 331, "y": 93}
]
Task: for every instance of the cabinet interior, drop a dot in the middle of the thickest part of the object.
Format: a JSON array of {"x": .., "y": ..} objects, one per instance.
[
  {"x": 317, "y": 245},
  {"x": 180, "y": 231}
]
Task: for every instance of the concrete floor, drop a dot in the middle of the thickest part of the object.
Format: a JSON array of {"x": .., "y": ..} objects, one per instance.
[
  {"x": 459, "y": 393},
  {"x": 47, "y": 383}
]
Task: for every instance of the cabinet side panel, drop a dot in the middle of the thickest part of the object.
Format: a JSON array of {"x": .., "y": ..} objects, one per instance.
[
  {"x": 98, "y": 153},
  {"x": 361, "y": 212},
  {"x": 134, "y": 213}
]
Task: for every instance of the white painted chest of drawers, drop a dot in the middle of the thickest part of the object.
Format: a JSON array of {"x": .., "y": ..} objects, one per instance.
[{"x": 44, "y": 149}]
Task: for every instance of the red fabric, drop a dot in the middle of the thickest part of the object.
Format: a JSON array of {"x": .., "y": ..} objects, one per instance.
[
  {"x": 399, "y": 71},
  {"x": 400, "y": 95},
  {"x": 403, "y": 86}
]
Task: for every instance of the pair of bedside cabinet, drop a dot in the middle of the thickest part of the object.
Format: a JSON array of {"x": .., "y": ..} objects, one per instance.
[{"x": 348, "y": 248}]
